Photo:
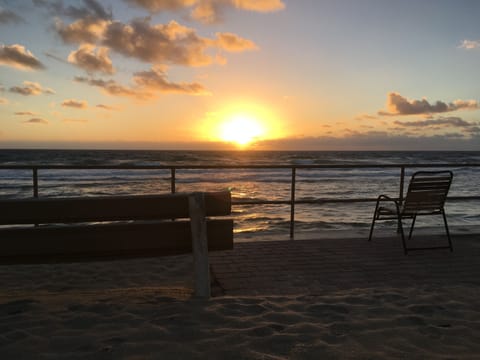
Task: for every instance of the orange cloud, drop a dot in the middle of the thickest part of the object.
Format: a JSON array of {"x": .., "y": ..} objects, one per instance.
[
  {"x": 77, "y": 104},
  {"x": 30, "y": 88},
  {"x": 234, "y": 43},
  {"x": 18, "y": 57},
  {"x": 209, "y": 11}
]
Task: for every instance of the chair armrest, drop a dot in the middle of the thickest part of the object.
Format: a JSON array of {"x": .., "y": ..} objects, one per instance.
[{"x": 386, "y": 198}]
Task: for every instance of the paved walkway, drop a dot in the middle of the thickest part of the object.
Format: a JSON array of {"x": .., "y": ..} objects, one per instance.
[{"x": 319, "y": 266}]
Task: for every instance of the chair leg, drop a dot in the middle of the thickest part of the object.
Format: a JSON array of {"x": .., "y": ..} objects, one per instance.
[
  {"x": 373, "y": 222},
  {"x": 447, "y": 231},
  {"x": 400, "y": 225},
  {"x": 411, "y": 227}
]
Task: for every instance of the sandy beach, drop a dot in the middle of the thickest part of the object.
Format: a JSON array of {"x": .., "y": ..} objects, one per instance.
[{"x": 144, "y": 309}]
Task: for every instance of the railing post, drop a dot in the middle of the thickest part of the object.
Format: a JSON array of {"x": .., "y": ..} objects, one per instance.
[
  {"x": 172, "y": 180},
  {"x": 402, "y": 182},
  {"x": 400, "y": 195},
  {"x": 35, "y": 182},
  {"x": 292, "y": 203}
]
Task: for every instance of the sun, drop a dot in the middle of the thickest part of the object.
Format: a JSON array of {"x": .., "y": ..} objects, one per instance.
[{"x": 241, "y": 129}]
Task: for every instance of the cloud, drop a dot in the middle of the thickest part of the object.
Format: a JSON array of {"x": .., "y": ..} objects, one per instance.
[
  {"x": 361, "y": 117},
  {"x": 171, "y": 43},
  {"x": 146, "y": 85},
  {"x": 399, "y": 105},
  {"x": 21, "y": 113},
  {"x": 376, "y": 140},
  {"x": 234, "y": 43},
  {"x": 92, "y": 59},
  {"x": 473, "y": 130},
  {"x": 110, "y": 87},
  {"x": 469, "y": 44},
  {"x": 209, "y": 11},
  {"x": 155, "y": 79},
  {"x": 3, "y": 101},
  {"x": 9, "y": 17},
  {"x": 18, "y": 57},
  {"x": 442, "y": 121},
  {"x": 30, "y": 88},
  {"x": 77, "y": 104},
  {"x": 163, "y": 5},
  {"x": 106, "y": 107},
  {"x": 91, "y": 8},
  {"x": 36, "y": 121},
  {"x": 87, "y": 30}
]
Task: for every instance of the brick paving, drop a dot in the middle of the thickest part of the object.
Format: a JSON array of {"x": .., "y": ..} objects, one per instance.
[{"x": 318, "y": 266}]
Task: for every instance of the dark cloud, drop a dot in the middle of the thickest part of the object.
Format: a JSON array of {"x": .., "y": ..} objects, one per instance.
[
  {"x": 77, "y": 104},
  {"x": 31, "y": 88},
  {"x": 399, "y": 105},
  {"x": 87, "y": 30},
  {"x": 55, "y": 57},
  {"x": 169, "y": 44},
  {"x": 473, "y": 130},
  {"x": 21, "y": 113},
  {"x": 91, "y": 9},
  {"x": 9, "y": 17},
  {"x": 376, "y": 140},
  {"x": 442, "y": 121},
  {"x": 18, "y": 57},
  {"x": 92, "y": 59}
]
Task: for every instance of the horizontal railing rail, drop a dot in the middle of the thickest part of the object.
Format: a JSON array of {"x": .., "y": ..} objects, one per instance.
[{"x": 242, "y": 202}]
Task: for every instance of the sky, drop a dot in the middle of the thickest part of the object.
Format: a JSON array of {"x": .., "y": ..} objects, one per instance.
[{"x": 240, "y": 74}]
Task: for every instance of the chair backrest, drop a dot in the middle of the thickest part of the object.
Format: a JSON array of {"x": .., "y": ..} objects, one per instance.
[{"x": 427, "y": 192}]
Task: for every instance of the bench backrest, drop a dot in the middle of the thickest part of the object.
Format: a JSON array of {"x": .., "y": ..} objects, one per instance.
[
  {"x": 151, "y": 233},
  {"x": 111, "y": 208}
]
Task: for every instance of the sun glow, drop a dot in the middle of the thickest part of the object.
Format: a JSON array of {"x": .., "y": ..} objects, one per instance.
[
  {"x": 241, "y": 130},
  {"x": 241, "y": 124}
]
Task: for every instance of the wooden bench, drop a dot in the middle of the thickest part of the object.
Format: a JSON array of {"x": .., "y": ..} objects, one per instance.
[{"x": 45, "y": 230}]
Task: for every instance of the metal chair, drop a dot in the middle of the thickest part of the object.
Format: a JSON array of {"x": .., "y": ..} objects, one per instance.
[{"x": 426, "y": 195}]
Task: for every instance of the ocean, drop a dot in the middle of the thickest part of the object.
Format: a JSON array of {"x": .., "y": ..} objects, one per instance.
[{"x": 264, "y": 182}]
